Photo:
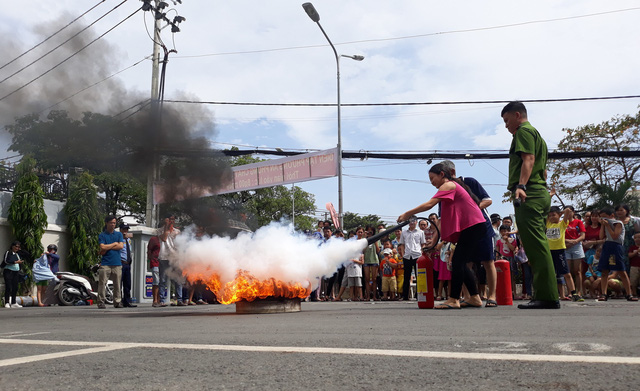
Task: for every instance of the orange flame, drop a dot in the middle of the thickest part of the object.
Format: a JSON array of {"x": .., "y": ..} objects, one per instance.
[{"x": 247, "y": 287}]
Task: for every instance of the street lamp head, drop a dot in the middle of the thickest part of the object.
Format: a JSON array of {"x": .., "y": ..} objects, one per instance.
[
  {"x": 311, "y": 11},
  {"x": 356, "y": 57}
]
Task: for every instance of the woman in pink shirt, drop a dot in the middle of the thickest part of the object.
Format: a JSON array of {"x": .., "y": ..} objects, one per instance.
[{"x": 462, "y": 222}]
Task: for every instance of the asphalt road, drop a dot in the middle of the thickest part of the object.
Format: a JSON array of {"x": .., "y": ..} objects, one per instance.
[{"x": 362, "y": 346}]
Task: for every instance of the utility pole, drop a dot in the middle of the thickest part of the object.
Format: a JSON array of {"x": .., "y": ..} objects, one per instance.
[
  {"x": 157, "y": 94},
  {"x": 152, "y": 210}
]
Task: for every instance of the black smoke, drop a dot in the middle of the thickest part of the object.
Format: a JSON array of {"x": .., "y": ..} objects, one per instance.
[{"x": 174, "y": 138}]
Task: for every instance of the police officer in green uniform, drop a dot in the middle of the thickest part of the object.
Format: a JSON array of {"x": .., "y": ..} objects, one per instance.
[{"x": 528, "y": 183}]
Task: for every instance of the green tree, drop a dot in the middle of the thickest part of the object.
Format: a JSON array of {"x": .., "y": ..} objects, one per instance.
[
  {"x": 585, "y": 181},
  {"x": 83, "y": 223},
  {"x": 123, "y": 193},
  {"x": 277, "y": 202},
  {"x": 612, "y": 197},
  {"x": 353, "y": 221},
  {"x": 26, "y": 212},
  {"x": 263, "y": 206}
]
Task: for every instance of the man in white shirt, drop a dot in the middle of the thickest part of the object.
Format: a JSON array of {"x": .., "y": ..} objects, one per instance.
[
  {"x": 410, "y": 249},
  {"x": 167, "y": 235}
]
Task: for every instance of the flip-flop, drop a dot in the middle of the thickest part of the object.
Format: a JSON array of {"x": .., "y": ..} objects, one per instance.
[
  {"x": 445, "y": 306},
  {"x": 464, "y": 304},
  {"x": 491, "y": 304}
]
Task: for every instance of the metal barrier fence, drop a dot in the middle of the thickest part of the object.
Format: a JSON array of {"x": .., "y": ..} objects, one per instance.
[{"x": 55, "y": 186}]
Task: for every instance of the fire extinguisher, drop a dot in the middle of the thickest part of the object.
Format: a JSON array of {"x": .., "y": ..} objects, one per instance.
[
  {"x": 424, "y": 282},
  {"x": 504, "y": 296}
]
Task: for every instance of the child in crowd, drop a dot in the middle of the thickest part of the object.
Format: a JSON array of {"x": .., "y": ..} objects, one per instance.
[
  {"x": 399, "y": 268},
  {"x": 527, "y": 273},
  {"x": 354, "y": 278},
  {"x": 574, "y": 252},
  {"x": 388, "y": 269},
  {"x": 634, "y": 262},
  {"x": 508, "y": 221},
  {"x": 42, "y": 274},
  {"x": 555, "y": 235},
  {"x": 614, "y": 285},
  {"x": 354, "y": 272},
  {"x": 443, "y": 257},
  {"x": 506, "y": 247},
  {"x": 612, "y": 257},
  {"x": 592, "y": 276}
]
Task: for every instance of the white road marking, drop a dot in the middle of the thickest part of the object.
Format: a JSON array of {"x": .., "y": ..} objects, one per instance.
[
  {"x": 9, "y": 335},
  {"x": 507, "y": 347},
  {"x": 582, "y": 347},
  {"x": 107, "y": 346},
  {"x": 51, "y": 356}
]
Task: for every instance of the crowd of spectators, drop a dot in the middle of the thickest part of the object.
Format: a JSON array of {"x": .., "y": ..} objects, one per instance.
[{"x": 576, "y": 241}]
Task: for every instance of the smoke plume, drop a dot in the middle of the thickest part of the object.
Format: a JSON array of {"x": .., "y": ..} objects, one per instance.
[
  {"x": 272, "y": 252},
  {"x": 178, "y": 140}
]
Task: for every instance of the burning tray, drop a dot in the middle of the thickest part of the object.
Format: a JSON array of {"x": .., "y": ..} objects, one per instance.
[{"x": 269, "y": 305}]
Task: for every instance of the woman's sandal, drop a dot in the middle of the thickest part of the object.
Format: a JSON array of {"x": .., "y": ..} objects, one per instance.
[
  {"x": 464, "y": 304},
  {"x": 603, "y": 298},
  {"x": 491, "y": 304},
  {"x": 631, "y": 298}
]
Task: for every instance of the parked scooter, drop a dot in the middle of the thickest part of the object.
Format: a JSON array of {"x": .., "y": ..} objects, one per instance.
[{"x": 73, "y": 288}]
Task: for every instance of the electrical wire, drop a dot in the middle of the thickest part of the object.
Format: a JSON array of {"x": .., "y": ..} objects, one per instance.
[
  {"x": 93, "y": 85},
  {"x": 144, "y": 17},
  {"x": 304, "y": 150},
  {"x": 488, "y": 164},
  {"x": 129, "y": 108},
  {"x": 142, "y": 104},
  {"x": 417, "y": 35},
  {"x": 69, "y": 57},
  {"x": 408, "y": 180},
  {"x": 478, "y": 102},
  {"x": 57, "y": 47},
  {"x": 359, "y": 117},
  {"x": 52, "y": 35}
]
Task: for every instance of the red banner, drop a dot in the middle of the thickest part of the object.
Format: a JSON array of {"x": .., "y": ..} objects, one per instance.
[{"x": 293, "y": 169}]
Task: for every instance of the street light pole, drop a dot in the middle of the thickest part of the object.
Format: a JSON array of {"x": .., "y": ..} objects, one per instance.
[{"x": 313, "y": 14}]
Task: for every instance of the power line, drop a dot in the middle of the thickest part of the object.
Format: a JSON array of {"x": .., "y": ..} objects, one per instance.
[
  {"x": 142, "y": 104},
  {"x": 93, "y": 85},
  {"x": 55, "y": 48},
  {"x": 52, "y": 35},
  {"x": 72, "y": 55},
  {"x": 302, "y": 150},
  {"x": 477, "y": 102},
  {"x": 418, "y": 155},
  {"x": 409, "y": 180},
  {"x": 417, "y": 35},
  {"x": 475, "y": 156},
  {"x": 360, "y": 117}
]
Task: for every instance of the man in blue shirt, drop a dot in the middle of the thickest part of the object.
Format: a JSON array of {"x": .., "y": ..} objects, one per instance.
[{"x": 111, "y": 242}]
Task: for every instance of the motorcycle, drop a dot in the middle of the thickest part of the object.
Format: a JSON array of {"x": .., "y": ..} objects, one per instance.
[{"x": 73, "y": 288}]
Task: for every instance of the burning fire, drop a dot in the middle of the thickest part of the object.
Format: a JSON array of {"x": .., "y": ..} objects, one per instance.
[
  {"x": 247, "y": 287},
  {"x": 251, "y": 266}
]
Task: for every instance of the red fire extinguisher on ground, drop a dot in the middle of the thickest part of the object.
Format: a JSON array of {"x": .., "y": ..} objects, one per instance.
[
  {"x": 504, "y": 296},
  {"x": 424, "y": 282}
]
